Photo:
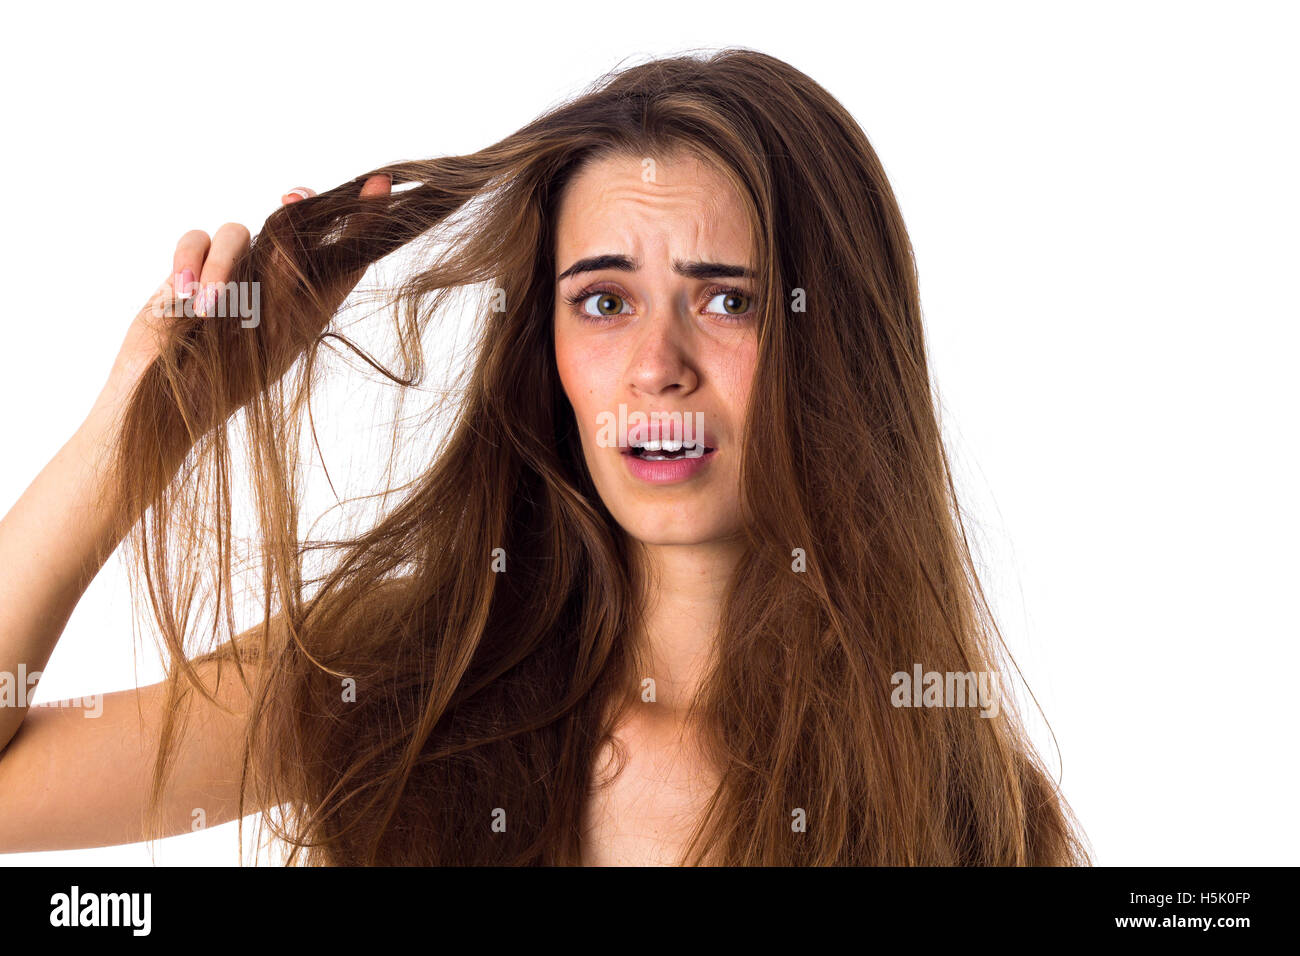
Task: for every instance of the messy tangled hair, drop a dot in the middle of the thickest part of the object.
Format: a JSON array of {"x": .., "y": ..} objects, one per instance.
[{"x": 478, "y": 690}]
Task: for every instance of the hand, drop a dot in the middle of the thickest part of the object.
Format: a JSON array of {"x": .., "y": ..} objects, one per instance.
[{"x": 199, "y": 265}]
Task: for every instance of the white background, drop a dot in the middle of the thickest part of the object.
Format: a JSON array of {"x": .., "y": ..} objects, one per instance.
[{"x": 1103, "y": 203}]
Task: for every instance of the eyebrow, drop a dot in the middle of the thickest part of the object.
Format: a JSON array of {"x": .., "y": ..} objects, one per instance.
[{"x": 692, "y": 270}]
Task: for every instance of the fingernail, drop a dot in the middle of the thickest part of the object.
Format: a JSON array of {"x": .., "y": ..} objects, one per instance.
[
  {"x": 184, "y": 282},
  {"x": 200, "y": 302},
  {"x": 301, "y": 192}
]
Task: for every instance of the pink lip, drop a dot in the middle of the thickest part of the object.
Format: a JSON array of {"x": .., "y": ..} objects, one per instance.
[
  {"x": 667, "y": 472},
  {"x": 679, "y": 469}
]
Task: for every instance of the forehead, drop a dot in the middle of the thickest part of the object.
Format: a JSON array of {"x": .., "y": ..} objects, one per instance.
[{"x": 631, "y": 204}]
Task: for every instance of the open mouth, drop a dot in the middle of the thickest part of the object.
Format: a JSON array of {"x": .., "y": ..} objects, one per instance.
[
  {"x": 663, "y": 449},
  {"x": 668, "y": 448}
]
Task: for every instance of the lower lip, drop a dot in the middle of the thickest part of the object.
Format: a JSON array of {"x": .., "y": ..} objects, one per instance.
[{"x": 667, "y": 472}]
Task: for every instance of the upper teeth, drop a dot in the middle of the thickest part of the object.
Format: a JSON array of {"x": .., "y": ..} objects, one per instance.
[{"x": 664, "y": 444}]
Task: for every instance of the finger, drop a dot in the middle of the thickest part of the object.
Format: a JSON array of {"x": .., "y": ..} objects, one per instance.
[
  {"x": 187, "y": 262},
  {"x": 228, "y": 245},
  {"x": 380, "y": 184},
  {"x": 297, "y": 194}
]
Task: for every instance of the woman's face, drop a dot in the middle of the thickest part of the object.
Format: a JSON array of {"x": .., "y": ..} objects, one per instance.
[{"x": 666, "y": 323}]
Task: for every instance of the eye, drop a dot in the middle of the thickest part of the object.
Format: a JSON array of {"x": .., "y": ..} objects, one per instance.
[
  {"x": 599, "y": 303},
  {"x": 607, "y": 303},
  {"x": 731, "y": 302}
]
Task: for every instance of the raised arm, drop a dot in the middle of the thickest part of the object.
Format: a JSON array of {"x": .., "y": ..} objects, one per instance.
[{"x": 68, "y": 780}]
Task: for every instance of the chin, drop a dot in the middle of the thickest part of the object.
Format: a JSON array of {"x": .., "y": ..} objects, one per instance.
[
  {"x": 659, "y": 537},
  {"x": 651, "y": 527},
  {"x": 694, "y": 513}
]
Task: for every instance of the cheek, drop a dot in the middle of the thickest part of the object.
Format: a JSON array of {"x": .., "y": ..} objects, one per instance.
[
  {"x": 569, "y": 366},
  {"x": 587, "y": 374},
  {"x": 734, "y": 373}
]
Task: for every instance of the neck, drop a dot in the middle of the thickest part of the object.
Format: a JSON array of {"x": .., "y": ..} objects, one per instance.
[{"x": 682, "y": 589}]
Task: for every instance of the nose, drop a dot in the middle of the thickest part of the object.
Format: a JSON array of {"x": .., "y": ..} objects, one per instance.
[{"x": 661, "y": 361}]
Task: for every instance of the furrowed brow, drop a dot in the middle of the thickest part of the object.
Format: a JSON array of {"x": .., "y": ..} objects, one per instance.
[
  {"x": 596, "y": 263},
  {"x": 691, "y": 270},
  {"x": 711, "y": 270}
]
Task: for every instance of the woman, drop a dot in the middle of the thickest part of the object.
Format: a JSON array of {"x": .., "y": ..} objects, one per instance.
[{"x": 658, "y": 597}]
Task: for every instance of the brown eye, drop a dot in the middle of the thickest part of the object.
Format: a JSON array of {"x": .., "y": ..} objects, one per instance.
[
  {"x": 608, "y": 304},
  {"x": 732, "y": 303},
  {"x": 600, "y": 304}
]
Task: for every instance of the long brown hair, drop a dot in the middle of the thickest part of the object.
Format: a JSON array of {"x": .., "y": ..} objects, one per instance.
[{"x": 483, "y": 696}]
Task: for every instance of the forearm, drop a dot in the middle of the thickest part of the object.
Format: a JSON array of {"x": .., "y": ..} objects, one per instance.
[{"x": 53, "y": 542}]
